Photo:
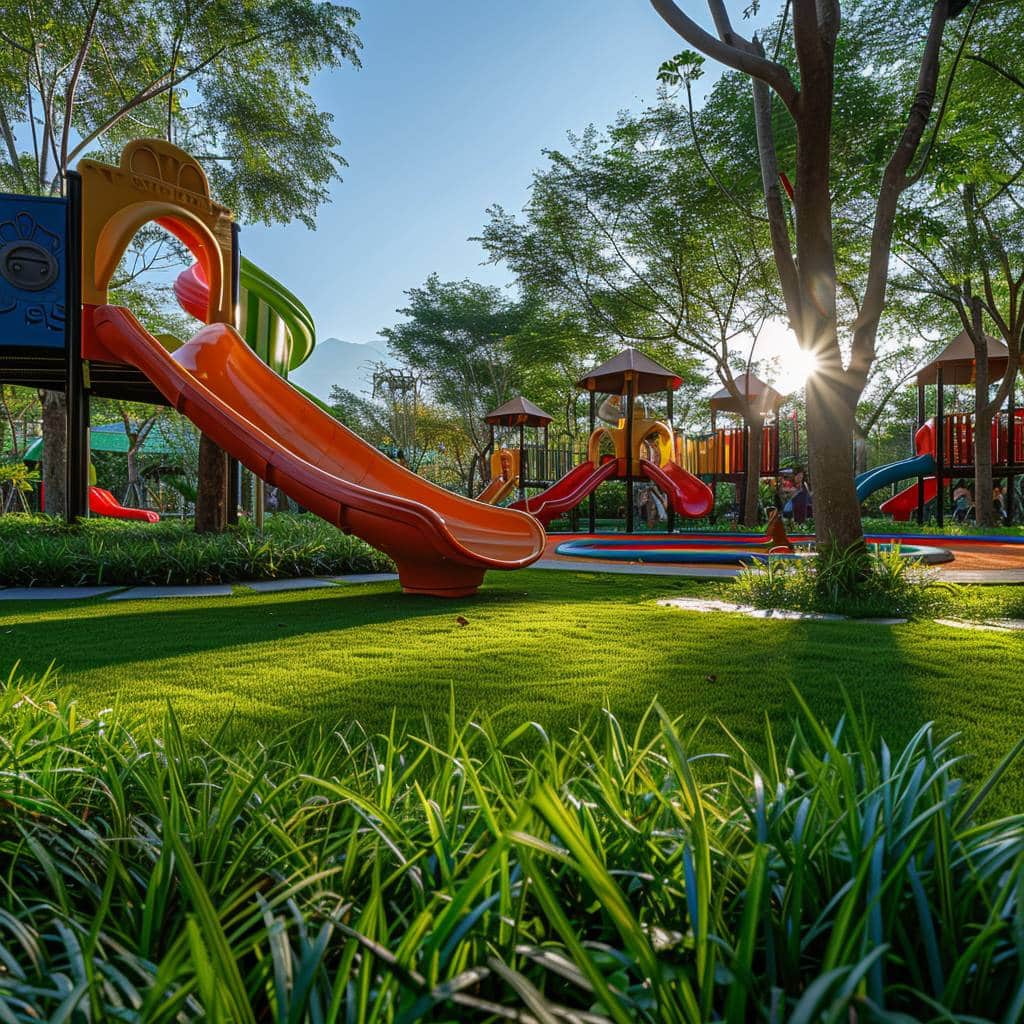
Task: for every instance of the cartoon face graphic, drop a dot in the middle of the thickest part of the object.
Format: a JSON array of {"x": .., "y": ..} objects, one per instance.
[{"x": 28, "y": 266}]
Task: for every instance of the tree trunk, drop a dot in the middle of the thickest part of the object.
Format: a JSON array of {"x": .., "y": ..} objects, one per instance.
[
  {"x": 212, "y": 488},
  {"x": 829, "y": 428},
  {"x": 55, "y": 451},
  {"x": 983, "y": 513},
  {"x": 751, "y": 497},
  {"x": 860, "y": 450}
]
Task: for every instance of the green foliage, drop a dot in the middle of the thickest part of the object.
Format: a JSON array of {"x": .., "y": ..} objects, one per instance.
[
  {"x": 41, "y": 551},
  {"x": 876, "y": 582},
  {"x": 226, "y": 81},
  {"x": 484, "y": 874},
  {"x": 19, "y": 476}
]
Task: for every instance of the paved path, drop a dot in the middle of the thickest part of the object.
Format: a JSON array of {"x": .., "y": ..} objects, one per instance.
[
  {"x": 982, "y": 576},
  {"x": 153, "y": 593}
]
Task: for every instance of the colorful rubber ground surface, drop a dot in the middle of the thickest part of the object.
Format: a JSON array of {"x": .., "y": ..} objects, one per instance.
[{"x": 745, "y": 548}]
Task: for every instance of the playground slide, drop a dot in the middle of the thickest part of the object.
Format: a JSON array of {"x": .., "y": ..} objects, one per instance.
[
  {"x": 442, "y": 543},
  {"x": 882, "y": 476},
  {"x": 567, "y": 493},
  {"x": 689, "y": 495},
  {"x": 902, "y": 506},
  {"x": 497, "y": 490},
  {"x": 103, "y": 503}
]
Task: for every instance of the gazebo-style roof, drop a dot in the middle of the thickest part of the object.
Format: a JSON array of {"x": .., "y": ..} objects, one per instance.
[
  {"x": 518, "y": 412},
  {"x": 630, "y": 366},
  {"x": 958, "y": 364},
  {"x": 752, "y": 386}
]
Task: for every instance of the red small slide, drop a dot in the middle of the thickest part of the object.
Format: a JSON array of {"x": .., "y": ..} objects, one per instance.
[
  {"x": 902, "y": 505},
  {"x": 103, "y": 503}
]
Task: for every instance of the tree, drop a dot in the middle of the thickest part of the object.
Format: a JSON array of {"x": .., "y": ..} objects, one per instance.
[
  {"x": 962, "y": 239},
  {"x": 228, "y": 81},
  {"x": 802, "y": 74},
  {"x": 474, "y": 347},
  {"x": 631, "y": 234}
]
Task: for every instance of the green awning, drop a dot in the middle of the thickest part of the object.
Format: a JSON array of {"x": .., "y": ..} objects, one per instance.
[{"x": 110, "y": 437}]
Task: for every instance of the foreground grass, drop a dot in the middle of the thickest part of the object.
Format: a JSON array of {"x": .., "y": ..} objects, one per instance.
[
  {"x": 547, "y": 647},
  {"x": 437, "y": 874}
]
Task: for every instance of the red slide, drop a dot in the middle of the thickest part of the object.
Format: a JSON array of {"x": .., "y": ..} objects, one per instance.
[
  {"x": 103, "y": 503},
  {"x": 442, "y": 543},
  {"x": 567, "y": 493},
  {"x": 689, "y": 495},
  {"x": 902, "y": 505}
]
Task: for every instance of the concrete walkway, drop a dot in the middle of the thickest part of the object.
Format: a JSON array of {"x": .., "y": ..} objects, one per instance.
[
  {"x": 149, "y": 593},
  {"x": 152, "y": 593}
]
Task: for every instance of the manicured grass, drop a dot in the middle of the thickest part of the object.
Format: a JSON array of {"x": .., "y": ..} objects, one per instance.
[{"x": 549, "y": 647}]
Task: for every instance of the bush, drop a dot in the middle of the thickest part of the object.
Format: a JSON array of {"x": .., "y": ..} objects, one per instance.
[
  {"x": 341, "y": 876},
  {"x": 882, "y": 583},
  {"x": 43, "y": 551}
]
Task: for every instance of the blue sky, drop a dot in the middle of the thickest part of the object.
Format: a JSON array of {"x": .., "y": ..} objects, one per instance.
[{"x": 449, "y": 114}]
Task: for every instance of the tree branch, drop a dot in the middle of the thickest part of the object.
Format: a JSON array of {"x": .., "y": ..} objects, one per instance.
[{"x": 753, "y": 64}]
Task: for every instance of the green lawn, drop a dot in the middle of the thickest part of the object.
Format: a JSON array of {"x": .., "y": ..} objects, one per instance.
[{"x": 549, "y": 647}]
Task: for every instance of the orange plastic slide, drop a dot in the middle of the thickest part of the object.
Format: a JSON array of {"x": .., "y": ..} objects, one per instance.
[
  {"x": 442, "y": 543},
  {"x": 565, "y": 494},
  {"x": 689, "y": 495}
]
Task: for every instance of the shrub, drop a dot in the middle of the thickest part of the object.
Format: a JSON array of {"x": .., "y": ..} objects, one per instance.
[
  {"x": 882, "y": 583},
  {"x": 342, "y": 876},
  {"x": 43, "y": 551}
]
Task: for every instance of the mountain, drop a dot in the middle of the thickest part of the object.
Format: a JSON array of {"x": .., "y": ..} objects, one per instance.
[{"x": 349, "y": 364}]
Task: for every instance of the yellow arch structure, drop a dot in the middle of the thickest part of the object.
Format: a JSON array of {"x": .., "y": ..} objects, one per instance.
[{"x": 155, "y": 181}]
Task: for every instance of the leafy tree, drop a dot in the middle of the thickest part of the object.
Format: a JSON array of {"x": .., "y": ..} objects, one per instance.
[
  {"x": 630, "y": 233},
  {"x": 228, "y": 81},
  {"x": 474, "y": 347},
  {"x": 807, "y": 64},
  {"x": 962, "y": 238}
]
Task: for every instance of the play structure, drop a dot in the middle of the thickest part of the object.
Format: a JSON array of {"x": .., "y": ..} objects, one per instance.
[
  {"x": 628, "y": 446},
  {"x": 685, "y": 469},
  {"x": 59, "y": 331},
  {"x": 508, "y": 465},
  {"x": 944, "y": 444},
  {"x": 721, "y": 455}
]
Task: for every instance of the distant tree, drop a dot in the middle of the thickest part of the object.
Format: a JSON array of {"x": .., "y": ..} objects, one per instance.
[
  {"x": 474, "y": 346},
  {"x": 227, "y": 81}
]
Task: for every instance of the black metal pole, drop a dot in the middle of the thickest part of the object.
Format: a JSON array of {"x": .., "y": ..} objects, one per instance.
[
  {"x": 1011, "y": 455},
  {"x": 920, "y": 479},
  {"x": 940, "y": 450},
  {"x": 234, "y": 490},
  {"x": 592, "y": 500},
  {"x": 629, "y": 456},
  {"x": 715, "y": 453},
  {"x": 671, "y": 426},
  {"x": 76, "y": 482},
  {"x": 522, "y": 462}
]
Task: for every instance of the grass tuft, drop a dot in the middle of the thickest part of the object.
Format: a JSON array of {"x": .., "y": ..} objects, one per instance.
[{"x": 439, "y": 872}]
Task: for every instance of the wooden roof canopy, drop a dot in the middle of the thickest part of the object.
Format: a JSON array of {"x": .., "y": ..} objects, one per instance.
[
  {"x": 958, "y": 365},
  {"x": 518, "y": 412},
  {"x": 754, "y": 388},
  {"x": 630, "y": 367}
]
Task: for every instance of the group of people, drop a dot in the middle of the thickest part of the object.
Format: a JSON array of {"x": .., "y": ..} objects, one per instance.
[
  {"x": 793, "y": 495},
  {"x": 964, "y": 507}
]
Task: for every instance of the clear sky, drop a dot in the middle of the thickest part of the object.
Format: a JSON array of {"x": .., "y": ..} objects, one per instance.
[{"x": 449, "y": 114}]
